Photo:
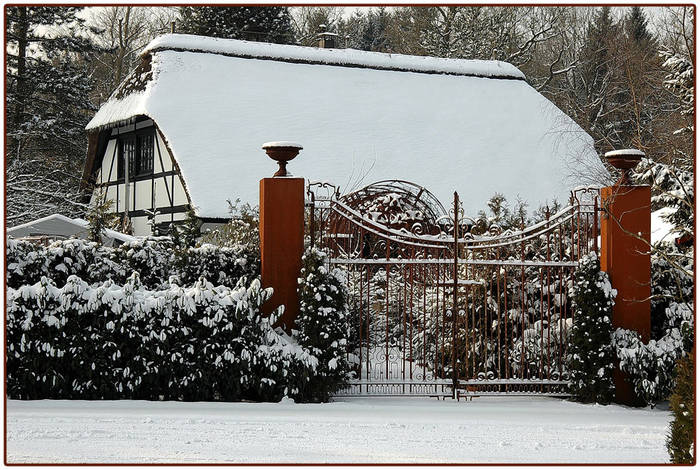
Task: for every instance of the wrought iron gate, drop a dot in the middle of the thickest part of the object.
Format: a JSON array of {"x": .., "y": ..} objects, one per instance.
[{"x": 438, "y": 310}]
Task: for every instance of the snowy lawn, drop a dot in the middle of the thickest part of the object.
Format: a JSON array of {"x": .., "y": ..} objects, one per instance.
[{"x": 348, "y": 430}]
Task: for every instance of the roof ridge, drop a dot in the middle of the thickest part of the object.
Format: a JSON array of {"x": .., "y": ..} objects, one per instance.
[{"x": 334, "y": 57}]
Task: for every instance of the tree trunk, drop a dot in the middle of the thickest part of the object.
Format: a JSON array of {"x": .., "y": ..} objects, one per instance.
[{"x": 21, "y": 30}]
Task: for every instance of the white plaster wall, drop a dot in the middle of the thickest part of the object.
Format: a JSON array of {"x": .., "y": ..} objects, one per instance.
[
  {"x": 162, "y": 199},
  {"x": 164, "y": 155},
  {"x": 179, "y": 195},
  {"x": 111, "y": 194},
  {"x": 108, "y": 164},
  {"x": 143, "y": 195},
  {"x": 140, "y": 226},
  {"x": 121, "y": 199}
]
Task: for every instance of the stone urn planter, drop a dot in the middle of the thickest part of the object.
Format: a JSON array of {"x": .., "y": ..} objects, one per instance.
[
  {"x": 282, "y": 152},
  {"x": 624, "y": 160}
]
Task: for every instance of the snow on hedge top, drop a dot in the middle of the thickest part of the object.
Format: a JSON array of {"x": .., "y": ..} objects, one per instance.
[
  {"x": 357, "y": 125},
  {"x": 344, "y": 57}
]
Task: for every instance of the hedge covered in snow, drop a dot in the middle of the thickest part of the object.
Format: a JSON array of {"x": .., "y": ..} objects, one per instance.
[
  {"x": 154, "y": 319},
  {"x": 156, "y": 260},
  {"x": 649, "y": 366},
  {"x": 112, "y": 340}
]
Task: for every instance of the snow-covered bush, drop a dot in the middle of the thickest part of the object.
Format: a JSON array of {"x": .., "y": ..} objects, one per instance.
[
  {"x": 590, "y": 354},
  {"x": 113, "y": 340},
  {"x": 27, "y": 263},
  {"x": 681, "y": 440},
  {"x": 242, "y": 233},
  {"x": 648, "y": 366},
  {"x": 672, "y": 284},
  {"x": 673, "y": 258},
  {"x": 155, "y": 259},
  {"x": 223, "y": 265},
  {"x": 537, "y": 348},
  {"x": 323, "y": 326}
]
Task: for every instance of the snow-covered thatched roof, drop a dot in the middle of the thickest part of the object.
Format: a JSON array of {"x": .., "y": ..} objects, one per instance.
[{"x": 472, "y": 126}]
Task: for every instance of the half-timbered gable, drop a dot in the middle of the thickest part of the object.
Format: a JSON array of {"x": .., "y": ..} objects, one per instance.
[
  {"x": 185, "y": 127},
  {"x": 136, "y": 171}
]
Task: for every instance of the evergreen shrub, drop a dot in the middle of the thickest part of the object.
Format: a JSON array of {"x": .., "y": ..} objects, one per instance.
[
  {"x": 155, "y": 259},
  {"x": 591, "y": 355},
  {"x": 323, "y": 326},
  {"x": 116, "y": 341},
  {"x": 649, "y": 367},
  {"x": 681, "y": 440}
]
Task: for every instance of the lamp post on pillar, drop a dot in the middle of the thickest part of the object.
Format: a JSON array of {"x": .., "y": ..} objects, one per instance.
[
  {"x": 282, "y": 232},
  {"x": 625, "y": 255}
]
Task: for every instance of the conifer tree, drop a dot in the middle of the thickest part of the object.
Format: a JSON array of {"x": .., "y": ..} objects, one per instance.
[
  {"x": 680, "y": 81},
  {"x": 323, "y": 326},
  {"x": 598, "y": 84},
  {"x": 191, "y": 228},
  {"x": 374, "y": 35},
  {"x": 591, "y": 354},
  {"x": 100, "y": 217},
  {"x": 264, "y": 24},
  {"x": 48, "y": 88},
  {"x": 309, "y": 21},
  {"x": 637, "y": 27}
]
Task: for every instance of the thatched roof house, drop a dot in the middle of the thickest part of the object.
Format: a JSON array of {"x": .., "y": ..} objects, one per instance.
[{"x": 191, "y": 118}]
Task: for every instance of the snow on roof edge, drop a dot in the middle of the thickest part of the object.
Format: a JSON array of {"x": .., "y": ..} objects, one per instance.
[
  {"x": 108, "y": 232},
  {"x": 42, "y": 219},
  {"x": 341, "y": 57},
  {"x": 119, "y": 110},
  {"x": 77, "y": 221}
]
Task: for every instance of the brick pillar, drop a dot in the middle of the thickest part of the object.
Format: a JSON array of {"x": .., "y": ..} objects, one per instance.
[
  {"x": 625, "y": 256},
  {"x": 282, "y": 233}
]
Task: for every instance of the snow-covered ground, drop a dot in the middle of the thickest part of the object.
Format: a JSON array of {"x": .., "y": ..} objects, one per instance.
[{"x": 361, "y": 430}]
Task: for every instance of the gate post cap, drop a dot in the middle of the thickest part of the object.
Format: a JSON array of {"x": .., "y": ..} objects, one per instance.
[
  {"x": 282, "y": 144},
  {"x": 282, "y": 152},
  {"x": 624, "y": 159}
]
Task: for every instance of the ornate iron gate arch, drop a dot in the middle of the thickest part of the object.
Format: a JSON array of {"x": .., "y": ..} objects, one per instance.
[{"x": 438, "y": 310}]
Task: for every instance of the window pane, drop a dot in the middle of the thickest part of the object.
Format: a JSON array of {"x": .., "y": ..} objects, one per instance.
[
  {"x": 146, "y": 154},
  {"x": 127, "y": 152},
  {"x": 120, "y": 161}
]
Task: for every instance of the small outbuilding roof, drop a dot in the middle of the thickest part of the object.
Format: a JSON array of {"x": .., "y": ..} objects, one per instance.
[
  {"x": 472, "y": 126},
  {"x": 60, "y": 226}
]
